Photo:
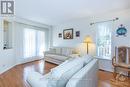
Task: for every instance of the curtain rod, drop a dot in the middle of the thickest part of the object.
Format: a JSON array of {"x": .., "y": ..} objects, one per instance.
[{"x": 104, "y": 21}]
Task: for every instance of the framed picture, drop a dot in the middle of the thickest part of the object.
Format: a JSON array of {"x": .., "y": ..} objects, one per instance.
[
  {"x": 68, "y": 33},
  {"x": 77, "y": 33},
  {"x": 60, "y": 35}
]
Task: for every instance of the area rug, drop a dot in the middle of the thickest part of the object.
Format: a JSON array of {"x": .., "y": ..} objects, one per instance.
[{"x": 120, "y": 83}]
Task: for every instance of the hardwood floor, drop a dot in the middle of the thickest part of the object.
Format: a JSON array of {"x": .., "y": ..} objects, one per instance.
[
  {"x": 104, "y": 79},
  {"x": 16, "y": 77}
]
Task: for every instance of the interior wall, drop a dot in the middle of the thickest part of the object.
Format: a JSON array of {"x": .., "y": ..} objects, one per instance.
[
  {"x": 83, "y": 25},
  {"x": 7, "y": 59},
  {"x": 14, "y": 56}
]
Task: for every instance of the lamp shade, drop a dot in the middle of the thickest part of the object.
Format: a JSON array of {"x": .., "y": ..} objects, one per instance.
[{"x": 87, "y": 39}]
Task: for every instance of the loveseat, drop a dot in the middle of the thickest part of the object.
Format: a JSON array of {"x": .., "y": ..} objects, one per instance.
[
  {"x": 77, "y": 72},
  {"x": 57, "y": 55}
]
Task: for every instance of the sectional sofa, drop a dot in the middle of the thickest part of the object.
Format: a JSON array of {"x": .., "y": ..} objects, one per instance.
[
  {"x": 57, "y": 55},
  {"x": 76, "y": 72}
]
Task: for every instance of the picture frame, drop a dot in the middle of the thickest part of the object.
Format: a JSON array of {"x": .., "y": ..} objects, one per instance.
[
  {"x": 60, "y": 35},
  {"x": 77, "y": 33},
  {"x": 68, "y": 33}
]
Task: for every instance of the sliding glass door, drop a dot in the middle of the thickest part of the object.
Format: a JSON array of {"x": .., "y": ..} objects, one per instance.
[{"x": 34, "y": 43}]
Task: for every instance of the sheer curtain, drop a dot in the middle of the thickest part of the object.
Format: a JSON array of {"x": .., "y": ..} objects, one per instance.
[
  {"x": 104, "y": 39},
  {"x": 34, "y": 43},
  {"x": 40, "y": 43},
  {"x": 29, "y": 43}
]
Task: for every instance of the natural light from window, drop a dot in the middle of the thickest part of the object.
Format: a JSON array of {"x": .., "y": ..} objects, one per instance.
[
  {"x": 34, "y": 43},
  {"x": 104, "y": 40}
]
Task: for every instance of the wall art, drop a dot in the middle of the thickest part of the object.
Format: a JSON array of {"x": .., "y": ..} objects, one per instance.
[
  {"x": 68, "y": 33},
  {"x": 121, "y": 31},
  {"x": 77, "y": 33}
]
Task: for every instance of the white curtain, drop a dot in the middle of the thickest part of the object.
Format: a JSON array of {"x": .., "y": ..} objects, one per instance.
[
  {"x": 104, "y": 39},
  {"x": 34, "y": 43},
  {"x": 40, "y": 43}
]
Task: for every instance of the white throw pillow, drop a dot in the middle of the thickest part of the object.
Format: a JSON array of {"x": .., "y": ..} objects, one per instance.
[{"x": 61, "y": 75}]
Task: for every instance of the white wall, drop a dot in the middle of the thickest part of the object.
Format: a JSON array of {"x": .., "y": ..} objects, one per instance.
[
  {"x": 14, "y": 56},
  {"x": 7, "y": 59},
  {"x": 83, "y": 25}
]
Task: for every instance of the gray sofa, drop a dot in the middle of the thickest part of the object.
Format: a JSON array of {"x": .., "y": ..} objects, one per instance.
[
  {"x": 71, "y": 73},
  {"x": 57, "y": 55}
]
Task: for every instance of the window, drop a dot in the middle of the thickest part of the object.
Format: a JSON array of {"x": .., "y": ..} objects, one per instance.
[
  {"x": 29, "y": 43},
  {"x": 40, "y": 43},
  {"x": 34, "y": 43},
  {"x": 104, "y": 40}
]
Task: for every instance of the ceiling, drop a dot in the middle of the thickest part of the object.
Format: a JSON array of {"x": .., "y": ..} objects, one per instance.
[{"x": 57, "y": 11}]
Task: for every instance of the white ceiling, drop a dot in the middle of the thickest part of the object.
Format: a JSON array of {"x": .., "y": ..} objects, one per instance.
[{"x": 58, "y": 11}]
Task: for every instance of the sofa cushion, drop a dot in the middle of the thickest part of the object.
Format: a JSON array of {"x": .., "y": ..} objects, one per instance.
[
  {"x": 66, "y": 51},
  {"x": 60, "y": 76},
  {"x": 64, "y": 63},
  {"x": 87, "y": 59},
  {"x": 58, "y": 57},
  {"x": 52, "y": 50},
  {"x": 58, "y": 50}
]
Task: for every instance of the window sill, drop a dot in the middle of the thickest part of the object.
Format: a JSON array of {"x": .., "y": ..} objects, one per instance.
[{"x": 103, "y": 58}]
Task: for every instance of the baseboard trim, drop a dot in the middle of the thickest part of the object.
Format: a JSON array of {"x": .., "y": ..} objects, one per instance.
[
  {"x": 29, "y": 60},
  {"x": 8, "y": 68}
]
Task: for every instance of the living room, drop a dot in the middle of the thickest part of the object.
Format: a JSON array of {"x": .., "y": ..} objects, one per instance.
[{"x": 38, "y": 37}]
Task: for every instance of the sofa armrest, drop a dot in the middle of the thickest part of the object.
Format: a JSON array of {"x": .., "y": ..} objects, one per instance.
[{"x": 86, "y": 77}]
